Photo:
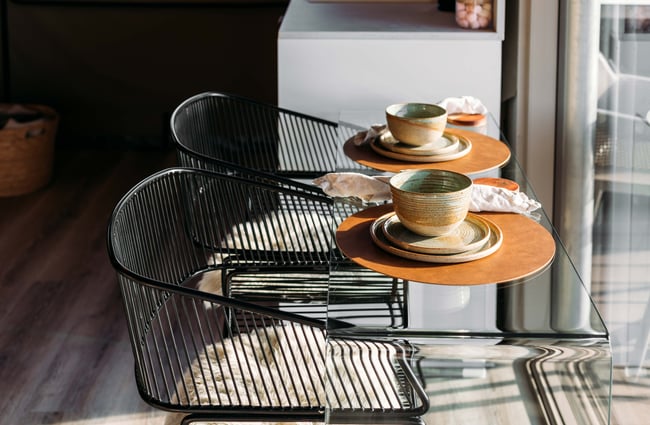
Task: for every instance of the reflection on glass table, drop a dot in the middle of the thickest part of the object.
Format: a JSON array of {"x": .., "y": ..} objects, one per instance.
[{"x": 532, "y": 349}]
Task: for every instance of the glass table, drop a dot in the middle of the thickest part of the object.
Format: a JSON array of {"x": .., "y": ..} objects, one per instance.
[{"x": 527, "y": 350}]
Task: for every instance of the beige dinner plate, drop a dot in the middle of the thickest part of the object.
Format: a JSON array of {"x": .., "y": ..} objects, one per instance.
[
  {"x": 446, "y": 144},
  {"x": 463, "y": 148},
  {"x": 472, "y": 233},
  {"x": 491, "y": 245}
]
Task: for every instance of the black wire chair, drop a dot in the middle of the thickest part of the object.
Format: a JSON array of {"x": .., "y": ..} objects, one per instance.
[
  {"x": 211, "y": 356},
  {"x": 221, "y": 132}
]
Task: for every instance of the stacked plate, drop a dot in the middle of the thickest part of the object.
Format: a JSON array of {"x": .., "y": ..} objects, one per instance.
[
  {"x": 477, "y": 237},
  {"x": 446, "y": 148}
]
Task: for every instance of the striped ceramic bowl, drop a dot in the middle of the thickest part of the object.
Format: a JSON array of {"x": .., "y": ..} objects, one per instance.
[{"x": 431, "y": 202}]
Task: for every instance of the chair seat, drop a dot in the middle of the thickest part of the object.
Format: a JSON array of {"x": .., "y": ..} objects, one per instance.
[{"x": 285, "y": 367}]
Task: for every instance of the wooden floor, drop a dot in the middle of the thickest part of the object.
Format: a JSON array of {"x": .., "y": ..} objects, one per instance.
[
  {"x": 65, "y": 357},
  {"x": 64, "y": 350}
]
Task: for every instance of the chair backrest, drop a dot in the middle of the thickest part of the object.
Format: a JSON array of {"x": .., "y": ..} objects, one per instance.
[
  {"x": 212, "y": 130},
  {"x": 180, "y": 221}
]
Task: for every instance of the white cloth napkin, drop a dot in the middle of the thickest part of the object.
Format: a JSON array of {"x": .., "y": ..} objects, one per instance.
[
  {"x": 490, "y": 198},
  {"x": 376, "y": 189},
  {"x": 463, "y": 105}
]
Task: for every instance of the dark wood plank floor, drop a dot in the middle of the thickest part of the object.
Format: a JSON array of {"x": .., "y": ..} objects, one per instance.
[{"x": 64, "y": 349}]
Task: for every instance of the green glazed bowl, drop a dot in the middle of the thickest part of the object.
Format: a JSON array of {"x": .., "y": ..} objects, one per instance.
[{"x": 416, "y": 124}]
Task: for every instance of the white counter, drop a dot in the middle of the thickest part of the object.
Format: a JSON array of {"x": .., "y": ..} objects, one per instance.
[
  {"x": 362, "y": 55},
  {"x": 340, "y": 19}
]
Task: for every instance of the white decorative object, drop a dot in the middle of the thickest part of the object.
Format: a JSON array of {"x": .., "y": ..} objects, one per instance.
[{"x": 463, "y": 105}]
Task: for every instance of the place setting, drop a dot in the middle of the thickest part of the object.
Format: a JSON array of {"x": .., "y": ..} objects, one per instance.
[
  {"x": 416, "y": 133},
  {"x": 416, "y": 136},
  {"x": 438, "y": 226},
  {"x": 431, "y": 222}
]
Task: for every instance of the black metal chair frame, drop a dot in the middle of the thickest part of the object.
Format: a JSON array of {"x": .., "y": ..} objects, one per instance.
[{"x": 159, "y": 235}]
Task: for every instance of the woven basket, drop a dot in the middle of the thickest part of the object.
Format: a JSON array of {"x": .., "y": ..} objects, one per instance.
[{"x": 27, "y": 153}]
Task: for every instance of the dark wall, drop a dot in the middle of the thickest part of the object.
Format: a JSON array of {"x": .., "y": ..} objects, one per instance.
[{"x": 115, "y": 72}]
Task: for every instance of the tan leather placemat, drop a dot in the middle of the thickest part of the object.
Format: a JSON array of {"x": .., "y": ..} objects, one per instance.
[
  {"x": 487, "y": 154},
  {"x": 527, "y": 249}
]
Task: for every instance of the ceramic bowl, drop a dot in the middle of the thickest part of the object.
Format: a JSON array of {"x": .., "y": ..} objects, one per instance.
[
  {"x": 416, "y": 123},
  {"x": 431, "y": 202}
]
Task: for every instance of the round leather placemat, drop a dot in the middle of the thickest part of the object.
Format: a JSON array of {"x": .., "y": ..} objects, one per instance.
[
  {"x": 527, "y": 249},
  {"x": 487, "y": 154}
]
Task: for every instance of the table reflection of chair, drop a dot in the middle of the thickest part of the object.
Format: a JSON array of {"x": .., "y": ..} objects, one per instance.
[
  {"x": 622, "y": 172},
  {"x": 214, "y": 356},
  {"x": 622, "y": 157}
]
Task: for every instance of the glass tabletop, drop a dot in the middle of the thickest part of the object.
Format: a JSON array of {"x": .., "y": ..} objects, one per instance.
[{"x": 527, "y": 350}]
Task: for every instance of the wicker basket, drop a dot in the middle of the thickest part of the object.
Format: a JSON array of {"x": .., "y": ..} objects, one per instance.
[{"x": 27, "y": 153}]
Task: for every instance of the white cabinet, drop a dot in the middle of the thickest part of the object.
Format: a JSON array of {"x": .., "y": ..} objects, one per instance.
[{"x": 340, "y": 55}]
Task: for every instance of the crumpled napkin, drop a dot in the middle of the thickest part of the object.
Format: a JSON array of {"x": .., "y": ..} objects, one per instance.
[
  {"x": 366, "y": 136},
  {"x": 366, "y": 188},
  {"x": 376, "y": 189},
  {"x": 463, "y": 105}
]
